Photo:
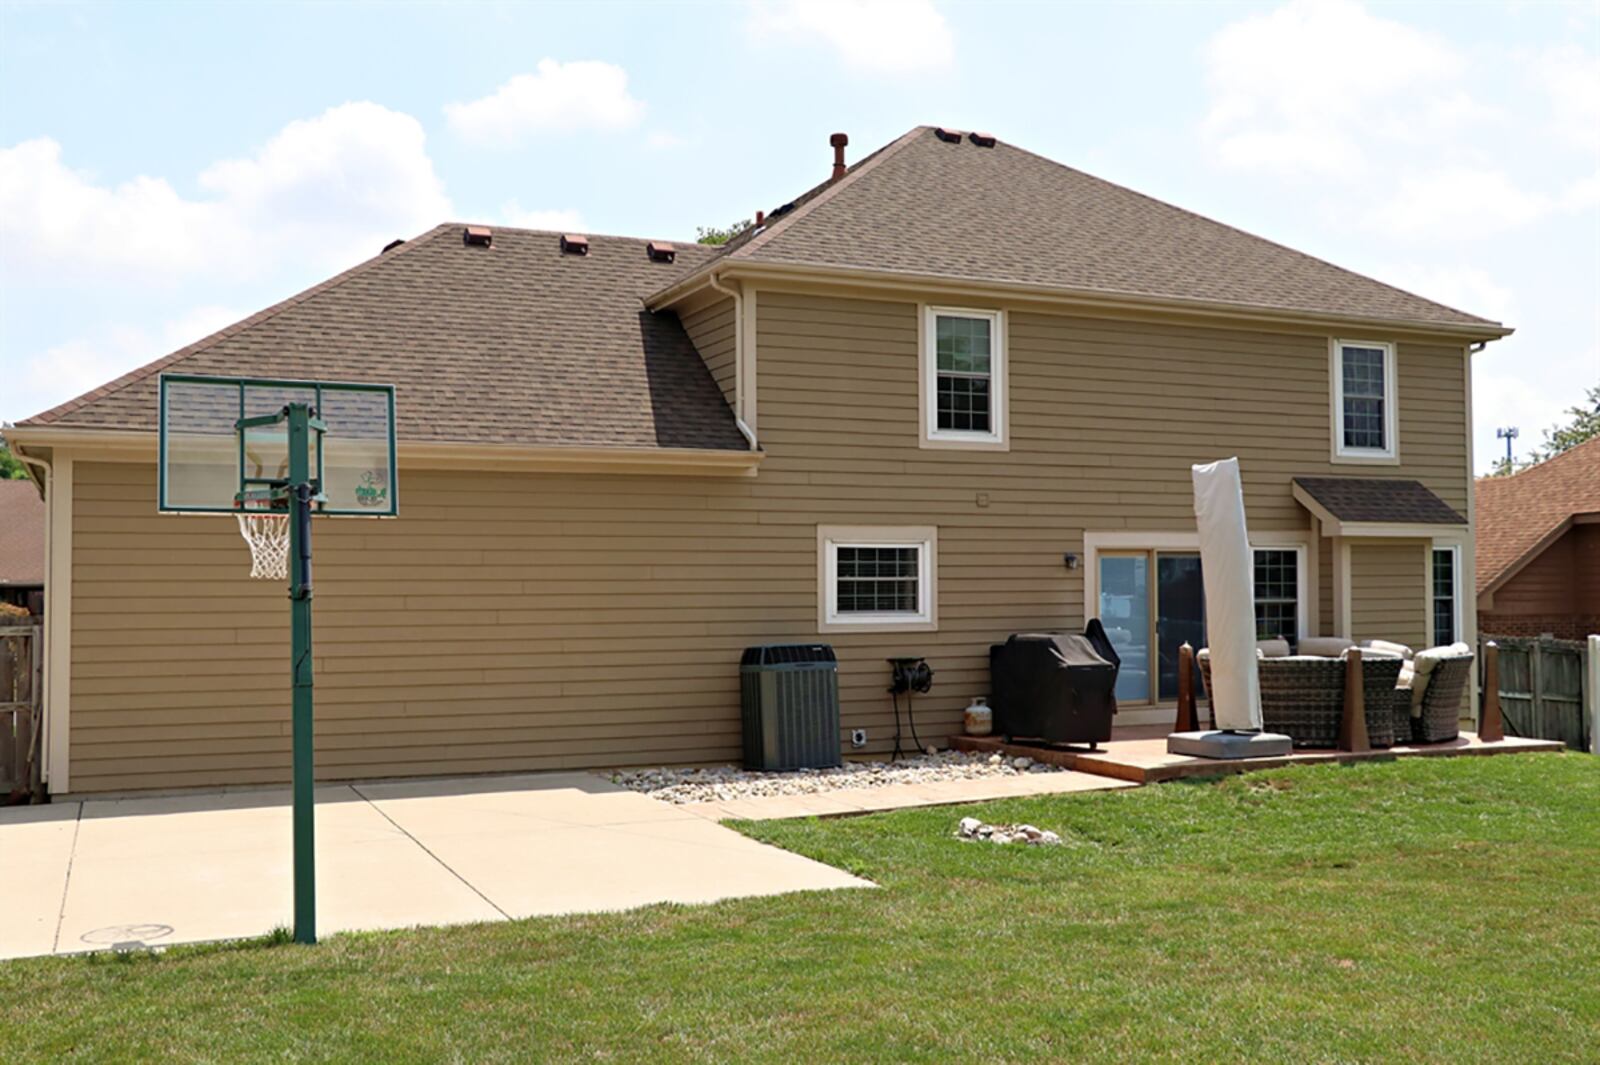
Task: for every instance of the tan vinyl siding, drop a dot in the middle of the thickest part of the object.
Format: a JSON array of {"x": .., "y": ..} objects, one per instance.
[
  {"x": 534, "y": 621},
  {"x": 1389, "y": 592},
  {"x": 1324, "y": 622},
  {"x": 713, "y": 330}
]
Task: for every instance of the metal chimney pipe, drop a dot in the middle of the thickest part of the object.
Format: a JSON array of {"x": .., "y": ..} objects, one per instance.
[{"x": 838, "y": 140}]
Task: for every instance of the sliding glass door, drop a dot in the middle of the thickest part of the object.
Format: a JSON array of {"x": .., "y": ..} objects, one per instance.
[
  {"x": 1149, "y": 620},
  {"x": 1152, "y": 602}
]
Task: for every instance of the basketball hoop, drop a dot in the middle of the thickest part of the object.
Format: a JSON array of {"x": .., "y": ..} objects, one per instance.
[{"x": 267, "y": 533}]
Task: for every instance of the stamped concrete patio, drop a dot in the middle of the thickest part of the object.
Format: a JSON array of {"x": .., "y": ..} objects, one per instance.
[{"x": 154, "y": 871}]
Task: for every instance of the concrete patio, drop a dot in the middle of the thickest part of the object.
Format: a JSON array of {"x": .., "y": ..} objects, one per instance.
[{"x": 161, "y": 870}]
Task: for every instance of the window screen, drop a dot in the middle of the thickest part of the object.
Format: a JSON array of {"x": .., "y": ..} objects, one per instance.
[
  {"x": 1444, "y": 597},
  {"x": 1277, "y": 580},
  {"x": 1364, "y": 383},
  {"x": 964, "y": 351},
  {"x": 878, "y": 580}
]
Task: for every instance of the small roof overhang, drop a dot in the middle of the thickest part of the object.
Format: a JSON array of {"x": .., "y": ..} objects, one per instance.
[{"x": 1388, "y": 507}]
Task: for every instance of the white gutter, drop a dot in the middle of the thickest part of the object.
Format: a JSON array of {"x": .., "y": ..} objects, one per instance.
[{"x": 714, "y": 281}]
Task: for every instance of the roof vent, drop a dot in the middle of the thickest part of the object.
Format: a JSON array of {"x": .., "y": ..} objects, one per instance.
[
  {"x": 660, "y": 251},
  {"x": 478, "y": 236},
  {"x": 838, "y": 141},
  {"x": 982, "y": 140},
  {"x": 573, "y": 244},
  {"x": 779, "y": 212},
  {"x": 949, "y": 136},
  {"x": 392, "y": 245}
]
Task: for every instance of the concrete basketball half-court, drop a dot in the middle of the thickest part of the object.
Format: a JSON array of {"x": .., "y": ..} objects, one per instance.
[{"x": 155, "y": 871}]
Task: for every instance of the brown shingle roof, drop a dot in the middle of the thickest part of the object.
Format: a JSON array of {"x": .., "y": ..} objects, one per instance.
[
  {"x": 1517, "y": 514},
  {"x": 959, "y": 211},
  {"x": 1390, "y": 500},
  {"x": 21, "y": 533},
  {"x": 514, "y": 343}
]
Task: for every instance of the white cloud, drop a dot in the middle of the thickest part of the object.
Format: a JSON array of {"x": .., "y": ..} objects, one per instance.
[
  {"x": 73, "y": 367},
  {"x": 561, "y": 97},
  {"x": 664, "y": 140},
  {"x": 1458, "y": 200},
  {"x": 1304, "y": 87},
  {"x": 330, "y": 189},
  {"x": 1571, "y": 79},
  {"x": 881, "y": 36},
  {"x": 564, "y": 221}
]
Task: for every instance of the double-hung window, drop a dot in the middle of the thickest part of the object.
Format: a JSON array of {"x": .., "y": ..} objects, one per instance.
[
  {"x": 1446, "y": 604},
  {"x": 1277, "y": 584},
  {"x": 1365, "y": 426},
  {"x": 963, "y": 378},
  {"x": 876, "y": 578}
]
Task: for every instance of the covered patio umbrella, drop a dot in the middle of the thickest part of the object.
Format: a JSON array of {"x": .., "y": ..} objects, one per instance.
[{"x": 1229, "y": 571}]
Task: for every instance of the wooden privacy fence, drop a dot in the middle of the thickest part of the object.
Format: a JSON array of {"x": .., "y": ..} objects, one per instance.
[
  {"x": 1545, "y": 690},
  {"x": 21, "y": 703}
]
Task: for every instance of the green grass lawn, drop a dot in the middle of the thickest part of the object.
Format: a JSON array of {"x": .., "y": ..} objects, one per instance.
[{"x": 1421, "y": 910}]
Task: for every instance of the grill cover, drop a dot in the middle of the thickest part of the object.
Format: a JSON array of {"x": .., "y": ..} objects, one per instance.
[{"x": 1052, "y": 687}]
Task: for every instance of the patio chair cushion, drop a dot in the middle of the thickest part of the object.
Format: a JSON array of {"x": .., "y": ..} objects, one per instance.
[
  {"x": 1384, "y": 645},
  {"x": 1422, "y": 671},
  {"x": 1323, "y": 646},
  {"x": 1273, "y": 648}
]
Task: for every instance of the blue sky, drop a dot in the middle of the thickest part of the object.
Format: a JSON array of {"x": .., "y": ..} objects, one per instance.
[{"x": 167, "y": 169}]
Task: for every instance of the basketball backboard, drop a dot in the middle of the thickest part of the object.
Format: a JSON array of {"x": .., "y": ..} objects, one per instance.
[{"x": 207, "y": 459}]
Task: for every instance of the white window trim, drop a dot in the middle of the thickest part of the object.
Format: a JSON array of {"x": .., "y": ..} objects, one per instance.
[
  {"x": 998, "y": 438},
  {"x": 832, "y": 537},
  {"x": 1386, "y": 456},
  {"x": 1456, "y": 616}
]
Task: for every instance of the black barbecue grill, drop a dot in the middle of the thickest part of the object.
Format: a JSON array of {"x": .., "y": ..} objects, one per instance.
[{"x": 1054, "y": 687}]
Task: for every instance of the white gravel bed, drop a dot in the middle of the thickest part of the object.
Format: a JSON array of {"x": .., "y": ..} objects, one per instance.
[{"x": 713, "y": 783}]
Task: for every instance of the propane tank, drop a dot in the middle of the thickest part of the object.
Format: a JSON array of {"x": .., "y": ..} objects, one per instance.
[{"x": 979, "y": 717}]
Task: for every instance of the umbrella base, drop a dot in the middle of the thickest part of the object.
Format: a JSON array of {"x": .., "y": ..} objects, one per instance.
[{"x": 1230, "y": 745}]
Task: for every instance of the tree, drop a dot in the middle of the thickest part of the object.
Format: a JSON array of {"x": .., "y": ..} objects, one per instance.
[
  {"x": 716, "y": 235},
  {"x": 11, "y": 468},
  {"x": 1585, "y": 426}
]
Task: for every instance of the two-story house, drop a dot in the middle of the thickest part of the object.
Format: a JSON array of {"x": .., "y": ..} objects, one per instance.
[{"x": 951, "y": 393}]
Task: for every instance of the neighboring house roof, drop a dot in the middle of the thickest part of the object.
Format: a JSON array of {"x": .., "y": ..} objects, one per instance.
[
  {"x": 1386, "y": 500},
  {"x": 924, "y": 206},
  {"x": 21, "y": 533},
  {"x": 1522, "y": 514},
  {"x": 515, "y": 343}
]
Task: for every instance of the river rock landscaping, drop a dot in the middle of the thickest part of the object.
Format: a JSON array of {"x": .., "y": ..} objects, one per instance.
[
  {"x": 721, "y": 783},
  {"x": 973, "y": 829}
]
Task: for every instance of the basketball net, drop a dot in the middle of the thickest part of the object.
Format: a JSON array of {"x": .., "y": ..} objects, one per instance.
[{"x": 267, "y": 533}]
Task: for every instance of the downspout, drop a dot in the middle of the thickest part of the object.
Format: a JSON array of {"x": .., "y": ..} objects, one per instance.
[
  {"x": 716, "y": 285},
  {"x": 49, "y": 550}
]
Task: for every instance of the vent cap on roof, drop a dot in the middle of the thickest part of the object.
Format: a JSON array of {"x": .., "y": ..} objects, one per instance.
[
  {"x": 393, "y": 244},
  {"x": 573, "y": 244},
  {"x": 478, "y": 236},
  {"x": 949, "y": 136},
  {"x": 982, "y": 140},
  {"x": 660, "y": 251}
]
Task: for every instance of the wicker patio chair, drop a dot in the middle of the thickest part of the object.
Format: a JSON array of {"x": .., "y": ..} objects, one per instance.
[
  {"x": 1302, "y": 697},
  {"x": 1440, "y": 719}
]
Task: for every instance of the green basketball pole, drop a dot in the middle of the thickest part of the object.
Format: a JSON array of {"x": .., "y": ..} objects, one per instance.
[{"x": 305, "y": 848}]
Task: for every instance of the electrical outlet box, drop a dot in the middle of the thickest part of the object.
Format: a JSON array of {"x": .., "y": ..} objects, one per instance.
[{"x": 858, "y": 737}]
